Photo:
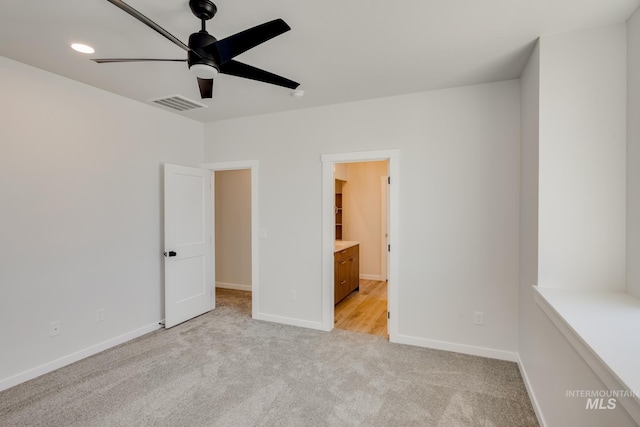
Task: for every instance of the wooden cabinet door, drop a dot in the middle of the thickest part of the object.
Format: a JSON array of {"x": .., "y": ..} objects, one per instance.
[
  {"x": 341, "y": 277},
  {"x": 354, "y": 269},
  {"x": 346, "y": 272}
]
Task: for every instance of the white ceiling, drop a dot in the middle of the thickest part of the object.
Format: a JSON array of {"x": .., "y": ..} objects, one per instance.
[{"x": 340, "y": 50}]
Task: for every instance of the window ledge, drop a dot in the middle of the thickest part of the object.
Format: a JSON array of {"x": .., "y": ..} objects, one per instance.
[{"x": 604, "y": 327}]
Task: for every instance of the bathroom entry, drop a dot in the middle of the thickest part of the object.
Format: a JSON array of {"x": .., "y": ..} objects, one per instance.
[
  {"x": 232, "y": 207},
  {"x": 360, "y": 251}
]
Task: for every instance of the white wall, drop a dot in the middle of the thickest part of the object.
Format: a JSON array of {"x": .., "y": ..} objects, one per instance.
[
  {"x": 361, "y": 198},
  {"x": 583, "y": 159},
  {"x": 549, "y": 362},
  {"x": 633, "y": 155},
  {"x": 528, "y": 341},
  {"x": 458, "y": 200},
  {"x": 80, "y": 190},
  {"x": 233, "y": 228}
]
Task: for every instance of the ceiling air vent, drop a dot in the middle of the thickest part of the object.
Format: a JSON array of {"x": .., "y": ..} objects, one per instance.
[{"x": 178, "y": 103}]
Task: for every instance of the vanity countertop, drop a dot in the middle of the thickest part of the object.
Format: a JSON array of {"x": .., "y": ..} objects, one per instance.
[{"x": 340, "y": 245}]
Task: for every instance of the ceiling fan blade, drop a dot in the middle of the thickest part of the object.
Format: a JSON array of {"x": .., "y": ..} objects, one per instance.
[
  {"x": 206, "y": 87},
  {"x": 140, "y": 17},
  {"x": 240, "y": 69},
  {"x": 108, "y": 60},
  {"x": 236, "y": 44}
]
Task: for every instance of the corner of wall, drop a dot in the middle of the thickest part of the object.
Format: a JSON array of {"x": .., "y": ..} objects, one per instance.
[{"x": 633, "y": 155}]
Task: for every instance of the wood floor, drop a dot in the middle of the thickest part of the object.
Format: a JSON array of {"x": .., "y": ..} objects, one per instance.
[{"x": 364, "y": 310}]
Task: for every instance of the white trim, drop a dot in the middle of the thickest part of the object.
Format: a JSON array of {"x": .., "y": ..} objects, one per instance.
[
  {"x": 234, "y": 286},
  {"x": 532, "y": 396},
  {"x": 74, "y": 357},
  {"x": 229, "y": 166},
  {"x": 360, "y": 156},
  {"x": 384, "y": 227},
  {"x": 376, "y": 277},
  {"x": 291, "y": 321},
  {"x": 253, "y": 165},
  {"x": 328, "y": 245},
  {"x": 328, "y": 231},
  {"x": 457, "y": 348}
]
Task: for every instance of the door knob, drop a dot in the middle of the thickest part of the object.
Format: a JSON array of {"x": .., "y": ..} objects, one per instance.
[{"x": 170, "y": 254}]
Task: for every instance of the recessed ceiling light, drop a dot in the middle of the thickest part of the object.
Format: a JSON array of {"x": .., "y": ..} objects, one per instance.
[{"x": 83, "y": 48}]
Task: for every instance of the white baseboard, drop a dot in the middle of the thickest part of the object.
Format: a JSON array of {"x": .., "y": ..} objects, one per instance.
[
  {"x": 74, "y": 357},
  {"x": 235, "y": 286},
  {"x": 458, "y": 348},
  {"x": 373, "y": 277},
  {"x": 532, "y": 396},
  {"x": 290, "y": 321}
]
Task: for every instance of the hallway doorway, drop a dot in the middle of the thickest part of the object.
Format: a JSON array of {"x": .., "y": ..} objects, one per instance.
[
  {"x": 329, "y": 245},
  {"x": 232, "y": 207},
  {"x": 361, "y": 232},
  {"x": 249, "y": 262}
]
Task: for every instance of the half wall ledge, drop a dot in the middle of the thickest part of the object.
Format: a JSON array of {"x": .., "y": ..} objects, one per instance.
[{"x": 604, "y": 328}]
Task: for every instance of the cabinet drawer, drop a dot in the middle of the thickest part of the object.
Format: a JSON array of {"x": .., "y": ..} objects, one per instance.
[
  {"x": 346, "y": 253},
  {"x": 342, "y": 255}
]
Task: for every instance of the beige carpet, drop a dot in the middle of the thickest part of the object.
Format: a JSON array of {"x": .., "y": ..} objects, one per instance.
[{"x": 224, "y": 369}]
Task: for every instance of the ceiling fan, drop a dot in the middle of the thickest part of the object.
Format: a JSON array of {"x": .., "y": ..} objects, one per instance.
[{"x": 207, "y": 56}]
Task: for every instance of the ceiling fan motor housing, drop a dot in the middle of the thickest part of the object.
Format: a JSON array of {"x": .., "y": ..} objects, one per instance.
[{"x": 197, "y": 55}]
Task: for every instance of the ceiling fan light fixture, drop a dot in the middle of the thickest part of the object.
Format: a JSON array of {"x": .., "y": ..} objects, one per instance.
[
  {"x": 203, "y": 71},
  {"x": 82, "y": 48}
]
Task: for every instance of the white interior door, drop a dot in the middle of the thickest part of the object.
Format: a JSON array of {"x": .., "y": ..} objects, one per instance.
[{"x": 188, "y": 237}]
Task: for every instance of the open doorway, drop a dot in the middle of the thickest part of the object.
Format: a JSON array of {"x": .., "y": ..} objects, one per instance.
[
  {"x": 251, "y": 298},
  {"x": 329, "y": 233},
  {"x": 360, "y": 253},
  {"x": 232, "y": 213}
]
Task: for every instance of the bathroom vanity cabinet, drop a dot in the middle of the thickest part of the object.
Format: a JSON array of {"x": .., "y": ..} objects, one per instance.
[{"x": 346, "y": 269}]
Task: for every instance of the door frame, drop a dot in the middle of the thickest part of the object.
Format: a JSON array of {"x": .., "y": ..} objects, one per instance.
[
  {"x": 328, "y": 231},
  {"x": 384, "y": 227},
  {"x": 253, "y": 166}
]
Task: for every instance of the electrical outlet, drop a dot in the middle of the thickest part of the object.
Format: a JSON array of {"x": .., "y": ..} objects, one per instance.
[
  {"x": 478, "y": 318},
  {"x": 54, "y": 328},
  {"x": 100, "y": 315},
  {"x": 292, "y": 295}
]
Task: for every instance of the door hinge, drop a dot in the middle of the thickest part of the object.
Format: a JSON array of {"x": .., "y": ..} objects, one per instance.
[
  {"x": 388, "y": 315},
  {"x": 388, "y": 180},
  {"x": 388, "y": 248}
]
